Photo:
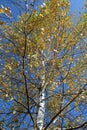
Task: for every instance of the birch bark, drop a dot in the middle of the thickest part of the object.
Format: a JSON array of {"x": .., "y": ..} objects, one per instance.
[{"x": 41, "y": 110}]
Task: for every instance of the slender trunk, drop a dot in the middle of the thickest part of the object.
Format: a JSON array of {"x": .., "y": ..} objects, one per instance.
[{"x": 41, "y": 110}]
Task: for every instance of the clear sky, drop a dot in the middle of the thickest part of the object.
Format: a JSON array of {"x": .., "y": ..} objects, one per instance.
[{"x": 77, "y": 5}]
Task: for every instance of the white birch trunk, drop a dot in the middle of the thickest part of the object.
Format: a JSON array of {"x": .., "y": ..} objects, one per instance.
[{"x": 41, "y": 110}]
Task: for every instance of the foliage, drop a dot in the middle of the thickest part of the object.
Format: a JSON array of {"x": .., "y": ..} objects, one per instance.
[{"x": 47, "y": 35}]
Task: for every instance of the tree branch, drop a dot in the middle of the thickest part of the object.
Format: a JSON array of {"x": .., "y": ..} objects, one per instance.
[
  {"x": 51, "y": 121},
  {"x": 77, "y": 127}
]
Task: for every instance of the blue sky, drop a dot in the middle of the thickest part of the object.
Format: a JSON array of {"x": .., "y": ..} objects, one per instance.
[{"x": 77, "y": 5}]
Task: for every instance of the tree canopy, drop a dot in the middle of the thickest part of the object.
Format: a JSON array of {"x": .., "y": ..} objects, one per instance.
[{"x": 43, "y": 67}]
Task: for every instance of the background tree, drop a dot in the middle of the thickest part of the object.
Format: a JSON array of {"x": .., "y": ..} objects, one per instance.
[{"x": 43, "y": 68}]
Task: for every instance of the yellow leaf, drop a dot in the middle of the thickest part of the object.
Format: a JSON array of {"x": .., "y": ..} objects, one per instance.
[
  {"x": 2, "y": 10},
  {"x": 14, "y": 112}
]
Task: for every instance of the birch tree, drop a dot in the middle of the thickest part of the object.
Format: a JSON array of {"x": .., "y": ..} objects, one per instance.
[{"x": 43, "y": 68}]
